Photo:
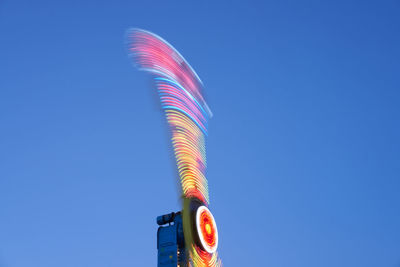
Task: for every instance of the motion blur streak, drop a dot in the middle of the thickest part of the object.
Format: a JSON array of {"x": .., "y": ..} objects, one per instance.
[
  {"x": 187, "y": 113},
  {"x": 180, "y": 91}
]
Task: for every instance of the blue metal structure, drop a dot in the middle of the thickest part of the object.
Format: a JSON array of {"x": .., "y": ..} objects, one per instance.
[{"x": 170, "y": 241}]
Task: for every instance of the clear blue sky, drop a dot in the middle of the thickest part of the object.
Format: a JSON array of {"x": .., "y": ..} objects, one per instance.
[{"x": 303, "y": 148}]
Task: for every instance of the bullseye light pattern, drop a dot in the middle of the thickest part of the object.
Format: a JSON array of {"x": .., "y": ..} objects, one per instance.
[
  {"x": 206, "y": 229},
  {"x": 180, "y": 91}
]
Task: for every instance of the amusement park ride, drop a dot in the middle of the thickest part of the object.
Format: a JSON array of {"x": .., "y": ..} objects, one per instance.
[{"x": 188, "y": 238}]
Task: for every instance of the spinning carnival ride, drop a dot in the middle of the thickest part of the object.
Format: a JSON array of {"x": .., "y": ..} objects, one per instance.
[{"x": 188, "y": 238}]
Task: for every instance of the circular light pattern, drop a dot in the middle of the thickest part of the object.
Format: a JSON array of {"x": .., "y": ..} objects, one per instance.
[{"x": 206, "y": 229}]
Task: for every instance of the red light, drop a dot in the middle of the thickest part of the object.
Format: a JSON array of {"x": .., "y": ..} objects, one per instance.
[{"x": 207, "y": 229}]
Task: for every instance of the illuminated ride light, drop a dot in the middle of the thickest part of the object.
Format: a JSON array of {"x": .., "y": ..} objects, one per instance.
[
  {"x": 206, "y": 229},
  {"x": 181, "y": 95}
]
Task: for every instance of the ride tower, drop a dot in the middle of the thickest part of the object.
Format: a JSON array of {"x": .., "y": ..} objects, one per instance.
[{"x": 171, "y": 241}]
